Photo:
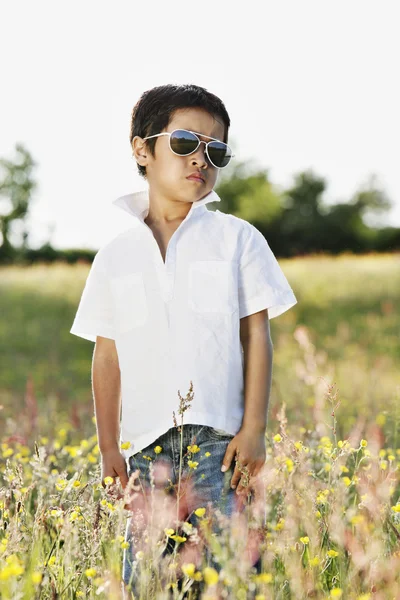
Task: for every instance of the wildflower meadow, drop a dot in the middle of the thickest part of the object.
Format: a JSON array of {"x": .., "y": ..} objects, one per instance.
[{"x": 330, "y": 485}]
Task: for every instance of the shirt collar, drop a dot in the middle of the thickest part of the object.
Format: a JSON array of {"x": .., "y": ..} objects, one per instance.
[{"x": 137, "y": 203}]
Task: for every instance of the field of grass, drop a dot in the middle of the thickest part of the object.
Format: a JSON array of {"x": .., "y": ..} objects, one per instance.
[{"x": 331, "y": 476}]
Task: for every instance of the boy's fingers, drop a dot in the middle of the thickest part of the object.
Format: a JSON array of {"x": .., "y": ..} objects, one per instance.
[
  {"x": 229, "y": 454},
  {"x": 123, "y": 477},
  {"x": 236, "y": 477}
]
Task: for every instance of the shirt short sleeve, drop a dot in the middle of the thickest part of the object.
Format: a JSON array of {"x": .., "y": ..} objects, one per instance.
[
  {"x": 95, "y": 311},
  {"x": 262, "y": 283}
]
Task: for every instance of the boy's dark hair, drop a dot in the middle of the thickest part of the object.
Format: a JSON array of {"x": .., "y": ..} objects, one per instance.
[{"x": 155, "y": 107}]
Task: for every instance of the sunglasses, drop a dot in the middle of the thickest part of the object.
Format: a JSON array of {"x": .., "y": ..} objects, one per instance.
[{"x": 183, "y": 142}]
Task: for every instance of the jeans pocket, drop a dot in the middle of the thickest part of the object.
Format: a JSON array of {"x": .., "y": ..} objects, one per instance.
[{"x": 220, "y": 434}]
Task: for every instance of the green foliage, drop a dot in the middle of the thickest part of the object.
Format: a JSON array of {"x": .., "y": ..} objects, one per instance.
[
  {"x": 295, "y": 221},
  {"x": 346, "y": 306}
]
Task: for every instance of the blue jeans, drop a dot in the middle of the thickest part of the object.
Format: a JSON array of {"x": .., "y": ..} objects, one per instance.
[{"x": 208, "y": 484}]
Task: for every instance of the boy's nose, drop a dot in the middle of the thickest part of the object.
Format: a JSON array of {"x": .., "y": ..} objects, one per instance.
[{"x": 199, "y": 156}]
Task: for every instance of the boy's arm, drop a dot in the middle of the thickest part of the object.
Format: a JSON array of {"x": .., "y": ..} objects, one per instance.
[
  {"x": 257, "y": 345},
  {"x": 106, "y": 384}
]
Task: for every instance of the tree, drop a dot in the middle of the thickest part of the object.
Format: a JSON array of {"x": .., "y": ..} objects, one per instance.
[
  {"x": 16, "y": 187},
  {"x": 303, "y": 221},
  {"x": 250, "y": 196}
]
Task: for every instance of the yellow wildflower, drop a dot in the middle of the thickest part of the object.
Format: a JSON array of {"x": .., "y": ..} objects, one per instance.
[
  {"x": 314, "y": 562},
  {"x": 305, "y": 539},
  {"x": 72, "y": 451},
  {"x": 125, "y": 445},
  {"x": 380, "y": 419},
  {"x": 277, "y": 438},
  {"x": 336, "y": 593},
  {"x": 189, "y": 569},
  {"x": 200, "y": 512},
  {"x": 193, "y": 449},
  {"x": 108, "y": 480},
  {"x": 263, "y": 578},
  {"x": 158, "y": 449},
  {"x": 210, "y": 576},
  {"x": 36, "y": 577},
  {"x": 178, "y": 538},
  {"x": 289, "y": 464},
  {"x": 363, "y": 443},
  {"x": 356, "y": 519},
  {"x": 90, "y": 572},
  {"x": 193, "y": 464},
  {"x": 325, "y": 441}
]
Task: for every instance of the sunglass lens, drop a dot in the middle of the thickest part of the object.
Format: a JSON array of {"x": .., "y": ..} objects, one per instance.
[
  {"x": 220, "y": 154},
  {"x": 183, "y": 142}
]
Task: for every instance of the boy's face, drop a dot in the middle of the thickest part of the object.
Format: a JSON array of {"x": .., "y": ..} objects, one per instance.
[{"x": 166, "y": 172}]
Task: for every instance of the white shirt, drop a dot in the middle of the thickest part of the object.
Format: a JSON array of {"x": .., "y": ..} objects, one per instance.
[{"x": 179, "y": 322}]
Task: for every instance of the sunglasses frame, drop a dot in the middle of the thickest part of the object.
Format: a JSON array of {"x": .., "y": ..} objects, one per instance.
[{"x": 195, "y": 133}]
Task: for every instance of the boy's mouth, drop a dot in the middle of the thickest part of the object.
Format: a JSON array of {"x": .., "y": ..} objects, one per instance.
[{"x": 194, "y": 178}]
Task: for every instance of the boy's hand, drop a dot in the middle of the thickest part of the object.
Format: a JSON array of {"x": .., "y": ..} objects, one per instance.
[
  {"x": 251, "y": 453},
  {"x": 113, "y": 465}
]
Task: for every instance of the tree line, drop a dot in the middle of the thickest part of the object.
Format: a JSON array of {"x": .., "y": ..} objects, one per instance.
[{"x": 295, "y": 221}]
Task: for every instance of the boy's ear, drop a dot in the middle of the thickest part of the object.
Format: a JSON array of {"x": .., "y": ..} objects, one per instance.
[{"x": 139, "y": 150}]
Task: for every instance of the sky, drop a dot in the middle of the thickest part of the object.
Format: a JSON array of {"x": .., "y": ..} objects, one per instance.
[{"x": 307, "y": 85}]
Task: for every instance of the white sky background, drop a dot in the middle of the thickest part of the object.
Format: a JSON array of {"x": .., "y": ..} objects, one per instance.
[{"x": 307, "y": 84}]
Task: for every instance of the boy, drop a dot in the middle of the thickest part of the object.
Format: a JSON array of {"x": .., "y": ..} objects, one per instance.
[{"x": 173, "y": 300}]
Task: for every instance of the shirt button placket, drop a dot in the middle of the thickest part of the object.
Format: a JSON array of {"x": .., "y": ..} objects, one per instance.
[{"x": 169, "y": 271}]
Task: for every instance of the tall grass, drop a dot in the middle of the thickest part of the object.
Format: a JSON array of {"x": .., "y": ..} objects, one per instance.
[
  {"x": 333, "y": 521},
  {"x": 330, "y": 483}
]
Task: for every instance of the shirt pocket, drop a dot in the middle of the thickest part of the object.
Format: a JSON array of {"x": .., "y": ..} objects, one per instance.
[
  {"x": 131, "y": 307},
  {"x": 212, "y": 286}
]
